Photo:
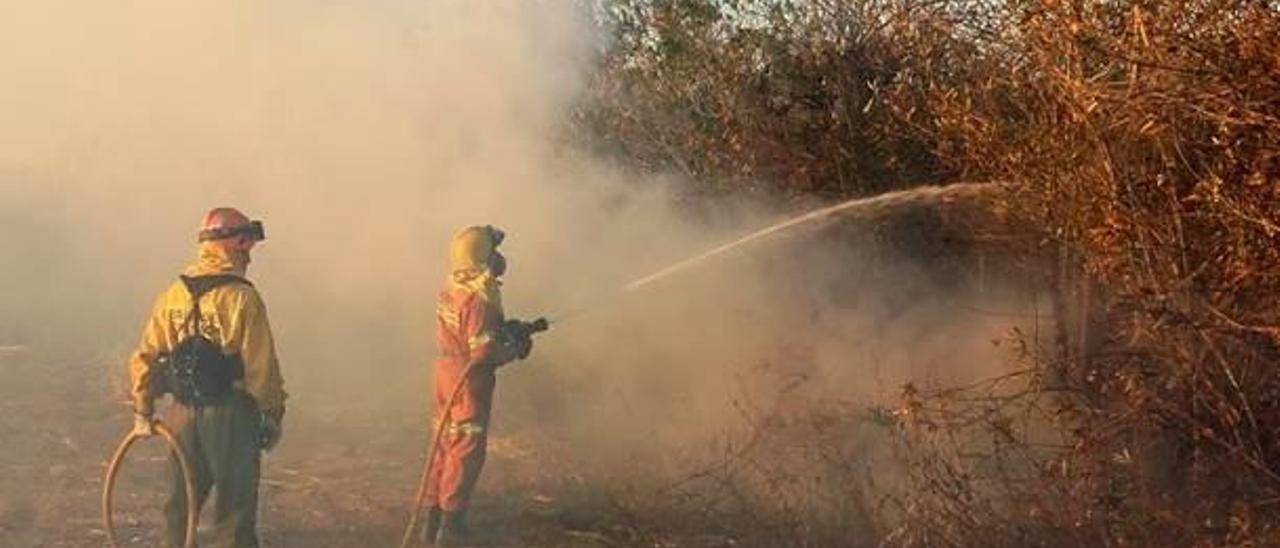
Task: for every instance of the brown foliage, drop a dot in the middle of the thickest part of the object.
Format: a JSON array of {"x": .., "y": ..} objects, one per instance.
[
  {"x": 1145, "y": 140},
  {"x": 769, "y": 96},
  {"x": 1141, "y": 141}
]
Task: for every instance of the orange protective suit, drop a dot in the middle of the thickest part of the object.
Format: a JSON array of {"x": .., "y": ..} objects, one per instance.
[{"x": 469, "y": 318}]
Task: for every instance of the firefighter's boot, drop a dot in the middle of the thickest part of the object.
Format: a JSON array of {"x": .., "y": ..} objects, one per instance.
[
  {"x": 453, "y": 529},
  {"x": 432, "y": 527}
]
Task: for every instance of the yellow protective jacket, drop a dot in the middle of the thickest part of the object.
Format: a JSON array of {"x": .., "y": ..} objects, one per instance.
[{"x": 232, "y": 315}]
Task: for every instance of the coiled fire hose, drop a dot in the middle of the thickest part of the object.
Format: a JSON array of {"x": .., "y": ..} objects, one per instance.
[{"x": 109, "y": 486}]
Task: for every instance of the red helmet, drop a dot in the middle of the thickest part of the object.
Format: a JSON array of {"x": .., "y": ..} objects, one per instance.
[{"x": 226, "y": 222}]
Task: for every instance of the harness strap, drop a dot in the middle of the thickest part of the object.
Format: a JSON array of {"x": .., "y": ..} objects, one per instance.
[{"x": 197, "y": 286}]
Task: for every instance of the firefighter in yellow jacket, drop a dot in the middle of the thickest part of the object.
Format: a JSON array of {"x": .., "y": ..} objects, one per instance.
[{"x": 208, "y": 344}]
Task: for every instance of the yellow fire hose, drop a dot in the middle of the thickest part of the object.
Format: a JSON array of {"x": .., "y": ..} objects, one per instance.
[
  {"x": 429, "y": 466},
  {"x": 109, "y": 486}
]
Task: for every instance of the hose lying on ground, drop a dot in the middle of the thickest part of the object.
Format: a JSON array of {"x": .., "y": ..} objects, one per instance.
[{"x": 109, "y": 486}]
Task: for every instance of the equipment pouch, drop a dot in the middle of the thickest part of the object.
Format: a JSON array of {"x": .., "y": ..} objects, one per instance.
[{"x": 196, "y": 371}]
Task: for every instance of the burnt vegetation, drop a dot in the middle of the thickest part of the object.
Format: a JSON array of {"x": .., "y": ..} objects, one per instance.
[{"x": 1137, "y": 149}]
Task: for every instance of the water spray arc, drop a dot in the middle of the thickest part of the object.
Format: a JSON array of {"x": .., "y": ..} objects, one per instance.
[{"x": 860, "y": 208}]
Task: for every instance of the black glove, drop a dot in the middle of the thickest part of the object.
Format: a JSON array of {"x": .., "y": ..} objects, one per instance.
[
  {"x": 519, "y": 335},
  {"x": 523, "y": 347},
  {"x": 270, "y": 429}
]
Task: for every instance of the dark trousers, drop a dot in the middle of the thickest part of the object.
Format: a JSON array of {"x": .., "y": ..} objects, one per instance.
[{"x": 221, "y": 444}]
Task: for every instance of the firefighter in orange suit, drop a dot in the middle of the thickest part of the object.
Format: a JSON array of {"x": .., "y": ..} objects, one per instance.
[
  {"x": 470, "y": 331},
  {"x": 208, "y": 344}
]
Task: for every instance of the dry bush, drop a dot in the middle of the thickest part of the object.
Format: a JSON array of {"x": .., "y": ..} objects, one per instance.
[
  {"x": 1145, "y": 141},
  {"x": 810, "y": 464},
  {"x": 1141, "y": 143},
  {"x": 772, "y": 96}
]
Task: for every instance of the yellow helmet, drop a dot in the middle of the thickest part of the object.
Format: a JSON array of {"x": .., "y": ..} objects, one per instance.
[{"x": 474, "y": 250}]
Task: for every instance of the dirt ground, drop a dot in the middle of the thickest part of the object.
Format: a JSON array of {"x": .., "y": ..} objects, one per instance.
[{"x": 59, "y": 426}]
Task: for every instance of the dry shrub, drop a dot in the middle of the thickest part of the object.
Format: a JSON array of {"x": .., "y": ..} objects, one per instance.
[
  {"x": 1144, "y": 138},
  {"x": 1141, "y": 143},
  {"x": 770, "y": 96}
]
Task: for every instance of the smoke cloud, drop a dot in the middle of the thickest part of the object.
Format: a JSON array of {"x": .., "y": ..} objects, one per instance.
[{"x": 363, "y": 135}]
